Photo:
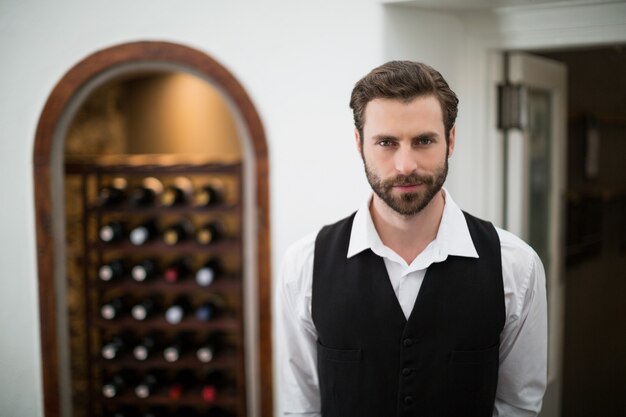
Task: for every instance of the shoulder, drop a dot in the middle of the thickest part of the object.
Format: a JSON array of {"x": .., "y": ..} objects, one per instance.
[
  {"x": 296, "y": 269},
  {"x": 301, "y": 247},
  {"x": 299, "y": 252},
  {"x": 522, "y": 271},
  {"x": 340, "y": 227},
  {"x": 515, "y": 252},
  {"x": 297, "y": 263}
]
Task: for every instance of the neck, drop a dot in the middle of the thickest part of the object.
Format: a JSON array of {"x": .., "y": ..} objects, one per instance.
[{"x": 408, "y": 236}]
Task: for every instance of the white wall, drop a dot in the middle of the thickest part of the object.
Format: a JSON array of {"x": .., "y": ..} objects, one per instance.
[
  {"x": 298, "y": 61},
  {"x": 440, "y": 40}
]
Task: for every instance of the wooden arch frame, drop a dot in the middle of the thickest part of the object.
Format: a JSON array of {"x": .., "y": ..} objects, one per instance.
[{"x": 75, "y": 79}]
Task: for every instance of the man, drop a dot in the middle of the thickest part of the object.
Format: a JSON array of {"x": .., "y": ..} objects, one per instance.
[{"x": 410, "y": 307}]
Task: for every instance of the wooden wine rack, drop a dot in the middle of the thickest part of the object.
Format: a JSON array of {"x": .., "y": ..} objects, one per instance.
[{"x": 229, "y": 287}]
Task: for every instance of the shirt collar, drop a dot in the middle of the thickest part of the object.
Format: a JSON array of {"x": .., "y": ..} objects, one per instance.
[{"x": 453, "y": 236}]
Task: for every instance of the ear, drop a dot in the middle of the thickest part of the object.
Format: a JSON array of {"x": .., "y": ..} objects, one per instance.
[
  {"x": 451, "y": 141},
  {"x": 357, "y": 139}
]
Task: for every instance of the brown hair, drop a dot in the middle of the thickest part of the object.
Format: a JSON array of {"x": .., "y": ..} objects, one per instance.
[{"x": 403, "y": 80}]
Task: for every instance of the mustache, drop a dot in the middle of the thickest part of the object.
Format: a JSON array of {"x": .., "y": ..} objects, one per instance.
[{"x": 407, "y": 180}]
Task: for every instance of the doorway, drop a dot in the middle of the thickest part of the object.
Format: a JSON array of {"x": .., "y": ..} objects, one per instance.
[
  {"x": 594, "y": 369},
  {"x": 103, "y": 123},
  {"x": 591, "y": 380}
]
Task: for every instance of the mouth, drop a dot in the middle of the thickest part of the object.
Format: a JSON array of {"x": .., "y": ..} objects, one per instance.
[{"x": 408, "y": 187}]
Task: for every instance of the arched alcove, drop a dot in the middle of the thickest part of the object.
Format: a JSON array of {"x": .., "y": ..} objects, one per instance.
[{"x": 167, "y": 66}]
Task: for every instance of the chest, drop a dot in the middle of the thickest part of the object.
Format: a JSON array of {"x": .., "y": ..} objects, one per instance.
[{"x": 457, "y": 300}]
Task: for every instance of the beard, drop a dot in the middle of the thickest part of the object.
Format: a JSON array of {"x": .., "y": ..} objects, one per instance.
[{"x": 408, "y": 204}]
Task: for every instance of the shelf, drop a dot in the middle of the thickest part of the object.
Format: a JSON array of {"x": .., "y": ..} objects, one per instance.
[
  {"x": 191, "y": 323},
  {"x": 160, "y": 210},
  {"x": 155, "y": 168},
  {"x": 225, "y": 360},
  {"x": 228, "y": 287},
  {"x": 615, "y": 120},
  {"x": 194, "y": 398},
  {"x": 221, "y": 246},
  {"x": 188, "y": 285},
  {"x": 594, "y": 192}
]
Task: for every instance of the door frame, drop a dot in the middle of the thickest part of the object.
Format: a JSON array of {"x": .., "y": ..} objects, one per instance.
[
  {"x": 483, "y": 36},
  {"x": 47, "y": 167},
  {"x": 534, "y": 28},
  {"x": 547, "y": 75},
  {"x": 524, "y": 28}
]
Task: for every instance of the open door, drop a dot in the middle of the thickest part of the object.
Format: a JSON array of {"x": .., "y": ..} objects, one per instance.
[{"x": 534, "y": 185}]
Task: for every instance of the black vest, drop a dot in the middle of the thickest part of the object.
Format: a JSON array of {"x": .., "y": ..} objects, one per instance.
[{"x": 442, "y": 361}]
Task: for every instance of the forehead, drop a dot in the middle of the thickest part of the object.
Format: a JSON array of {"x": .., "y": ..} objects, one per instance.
[{"x": 422, "y": 112}]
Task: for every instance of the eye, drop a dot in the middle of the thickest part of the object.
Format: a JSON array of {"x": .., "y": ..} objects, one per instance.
[
  {"x": 424, "y": 141},
  {"x": 385, "y": 143}
]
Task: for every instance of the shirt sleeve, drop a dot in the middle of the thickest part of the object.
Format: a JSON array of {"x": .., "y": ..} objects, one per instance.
[
  {"x": 297, "y": 348},
  {"x": 523, "y": 344}
]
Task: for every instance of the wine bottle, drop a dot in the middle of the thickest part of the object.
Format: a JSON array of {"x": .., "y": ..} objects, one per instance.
[
  {"x": 144, "y": 270},
  {"x": 147, "y": 346},
  {"x": 209, "y": 233},
  {"x": 177, "y": 310},
  {"x": 213, "y": 382},
  {"x": 148, "y": 384},
  {"x": 209, "y": 194},
  {"x": 183, "y": 381},
  {"x": 141, "y": 196},
  {"x": 115, "y": 345},
  {"x": 112, "y": 232},
  {"x": 114, "y": 308},
  {"x": 209, "y": 272},
  {"x": 111, "y": 195},
  {"x": 146, "y": 193},
  {"x": 207, "y": 311},
  {"x": 172, "y": 196},
  {"x": 177, "y": 270},
  {"x": 117, "y": 383},
  {"x": 146, "y": 308},
  {"x": 177, "y": 193},
  {"x": 209, "y": 348},
  {"x": 143, "y": 233},
  {"x": 112, "y": 270},
  {"x": 177, "y": 347},
  {"x": 177, "y": 232}
]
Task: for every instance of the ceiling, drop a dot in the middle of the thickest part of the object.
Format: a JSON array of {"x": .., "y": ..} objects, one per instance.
[{"x": 478, "y": 5}]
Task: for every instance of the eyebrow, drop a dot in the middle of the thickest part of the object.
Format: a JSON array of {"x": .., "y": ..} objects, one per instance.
[
  {"x": 425, "y": 135},
  {"x": 376, "y": 138}
]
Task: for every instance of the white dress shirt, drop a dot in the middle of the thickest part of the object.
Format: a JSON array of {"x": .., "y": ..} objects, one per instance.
[{"x": 523, "y": 341}]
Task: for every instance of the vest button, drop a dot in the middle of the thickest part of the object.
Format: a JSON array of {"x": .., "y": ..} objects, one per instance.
[
  {"x": 408, "y": 400},
  {"x": 407, "y": 342},
  {"x": 406, "y": 371}
]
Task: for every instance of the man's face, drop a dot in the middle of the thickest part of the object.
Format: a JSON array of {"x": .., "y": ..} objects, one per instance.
[{"x": 404, "y": 151}]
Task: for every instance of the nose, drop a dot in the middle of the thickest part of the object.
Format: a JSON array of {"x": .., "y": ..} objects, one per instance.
[{"x": 405, "y": 161}]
